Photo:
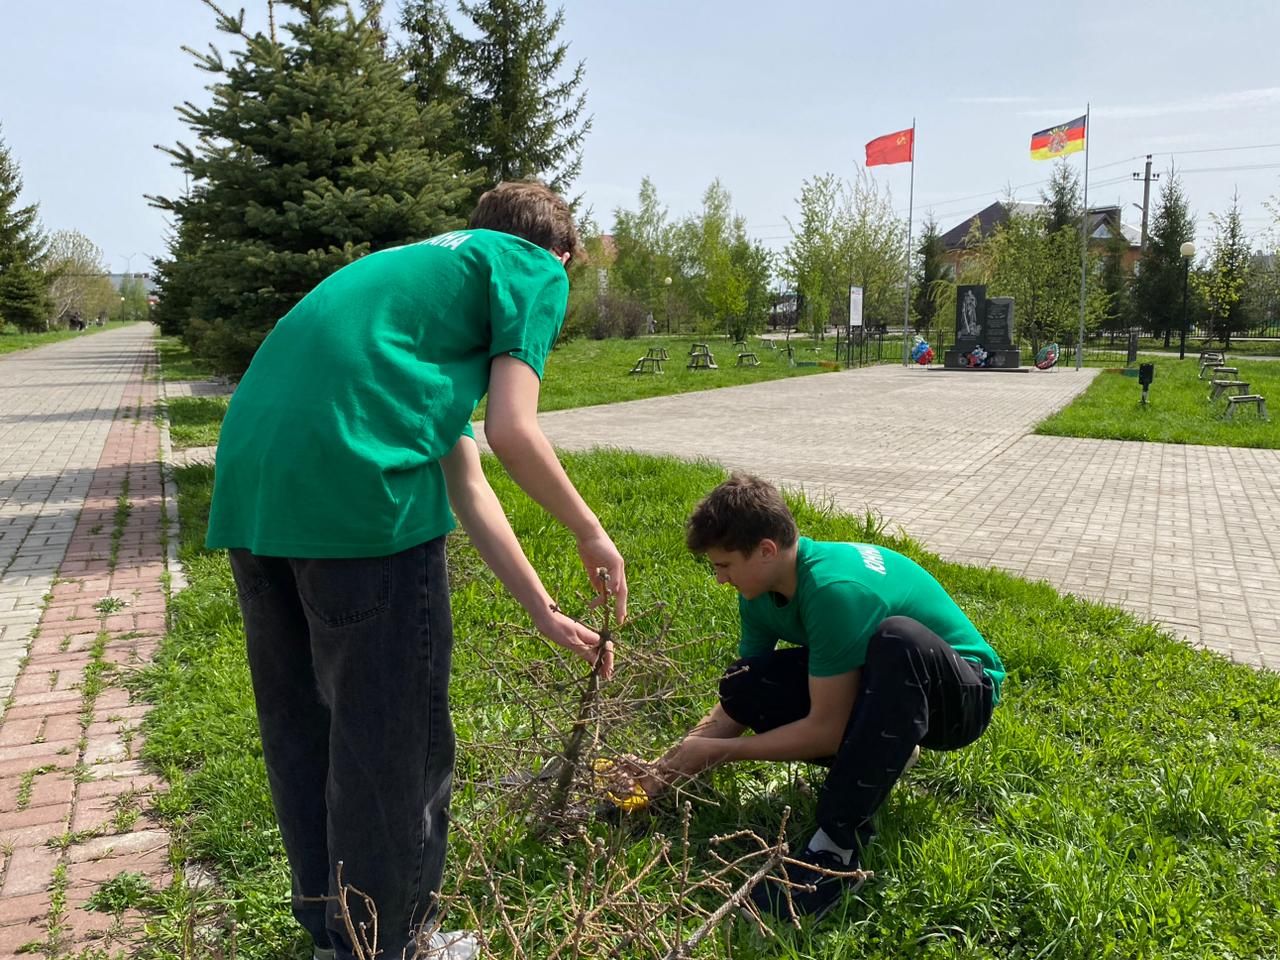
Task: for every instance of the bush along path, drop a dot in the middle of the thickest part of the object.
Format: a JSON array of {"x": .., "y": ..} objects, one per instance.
[{"x": 78, "y": 843}]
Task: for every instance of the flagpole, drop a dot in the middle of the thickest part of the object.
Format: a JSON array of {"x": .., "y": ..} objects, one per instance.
[
  {"x": 911, "y": 202},
  {"x": 1084, "y": 239}
]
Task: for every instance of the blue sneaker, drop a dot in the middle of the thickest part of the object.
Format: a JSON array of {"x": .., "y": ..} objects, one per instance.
[{"x": 813, "y": 892}]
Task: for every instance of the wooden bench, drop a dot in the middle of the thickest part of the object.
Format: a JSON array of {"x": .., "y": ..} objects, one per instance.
[
  {"x": 740, "y": 346},
  {"x": 657, "y": 353},
  {"x": 648, "y": 365},
  {"x": 702, "y": 361},
  {"x": 1241, "y": 387},
  {"x": 1260, "y": 404},
  {"x": 748, "y": 360},
  {"x": 698, "y": 348}
]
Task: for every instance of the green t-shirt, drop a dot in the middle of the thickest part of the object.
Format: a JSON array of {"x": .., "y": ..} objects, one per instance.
[
  {"x": 330, "y": 446},
  {"x": 843, "y": 591}
]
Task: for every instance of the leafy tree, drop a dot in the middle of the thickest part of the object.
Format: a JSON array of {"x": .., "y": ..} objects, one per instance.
[
  {"x": 1226, "y": 277},
  {"x": 132, "y": 303},
  {"x": 754, "y": 264},
  {"x": 811, "y": 261},
  {"x": 644, "y": 240},
  {"x": 313, "y": 153},
  {"x": 847, "y": 236},
  {"x": 1157, "y": 292},
  {"x": 78, "y": 283},
  {"x": 872, "y": 242},
  {"x": 722, "y": 288},
  {"x": 934, "y": 279},
  {"x": 519, "y": 115},
  {"x": 1041, "y": 271},
  {"x": 24, "y": 298}
]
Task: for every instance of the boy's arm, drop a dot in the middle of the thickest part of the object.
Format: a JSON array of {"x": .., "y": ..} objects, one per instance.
[
  {"x": 481, "y": 515},
  {"x": 817, "y": 735},
  {"x": 511, "y": 427}
]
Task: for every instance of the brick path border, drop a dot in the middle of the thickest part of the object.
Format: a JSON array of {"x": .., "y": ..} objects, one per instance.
[{"x": 74, "y": 798}]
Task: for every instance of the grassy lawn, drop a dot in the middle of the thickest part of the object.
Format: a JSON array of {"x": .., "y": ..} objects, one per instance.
[
  {"x": 12, "y": 339},
  {"x": 195, "y": 421},
  {"x": 585, "y": 372},
  {"x": 177, "y": 362},
  {"x": 1179, "y": 410},
  {"x": 1125, "y": 802},
  {"x": 1268, "y": 347}
]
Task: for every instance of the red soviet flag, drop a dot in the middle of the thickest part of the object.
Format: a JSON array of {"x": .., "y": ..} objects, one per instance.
[{"x": 892, "y": 148}]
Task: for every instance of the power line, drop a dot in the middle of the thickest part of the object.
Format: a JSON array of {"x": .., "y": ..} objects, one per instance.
[
  {"x": 1244, "y": 166},
  {"x": 1251, "y": 146}
]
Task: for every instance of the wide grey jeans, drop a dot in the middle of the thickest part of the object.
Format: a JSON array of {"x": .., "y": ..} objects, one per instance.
[{"x": 350, "y": 662}]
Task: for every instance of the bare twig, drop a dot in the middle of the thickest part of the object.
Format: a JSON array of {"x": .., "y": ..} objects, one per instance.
[
  {"x": 738, "y": 898},
  {"x": 573, "y": 749}
]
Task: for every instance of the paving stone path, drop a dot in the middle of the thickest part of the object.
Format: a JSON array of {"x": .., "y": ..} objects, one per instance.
[
  {"x": 1185, "y": 535},
  {"x": 83, "y": 561}
]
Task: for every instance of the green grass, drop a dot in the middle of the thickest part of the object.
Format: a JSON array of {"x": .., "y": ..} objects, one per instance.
[
  {"x": 1269, "y": 347},
  {"x": 12, "y": 339},
  {"x": 1124, "y": 803},
  {"x": 1179, "y": 410},
  {"x": 195, "y": 421},
  {"x": 585, "y": 372},
  {"x": 178, "y": 363}
]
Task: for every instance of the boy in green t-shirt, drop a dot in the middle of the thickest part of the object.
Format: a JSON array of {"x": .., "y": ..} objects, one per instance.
[
  {"x": 882, "y": 662},
  {"x": 344, "y": 447}
]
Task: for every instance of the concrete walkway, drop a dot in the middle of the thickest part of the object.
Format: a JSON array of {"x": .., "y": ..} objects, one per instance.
[
  {"x": 1185, "y": 535},
  {"x": 84, "y": 524}
]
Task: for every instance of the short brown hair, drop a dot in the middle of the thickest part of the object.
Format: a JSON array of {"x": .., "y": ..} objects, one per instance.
[
  {"x": 529, "y": 209},
  {"x": 737, "y": 515}
]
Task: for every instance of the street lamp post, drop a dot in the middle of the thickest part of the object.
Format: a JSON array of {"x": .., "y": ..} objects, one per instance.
[
  {"x": 666, "y": 282},
  {"x": 1188, "y": 250}
]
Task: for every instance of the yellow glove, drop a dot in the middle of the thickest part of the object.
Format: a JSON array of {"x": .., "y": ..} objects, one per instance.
[{"x": 609, "y": 778}]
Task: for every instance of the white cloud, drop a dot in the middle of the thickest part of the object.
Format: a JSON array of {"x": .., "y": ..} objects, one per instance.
[{"x": 1261, "y": 97}]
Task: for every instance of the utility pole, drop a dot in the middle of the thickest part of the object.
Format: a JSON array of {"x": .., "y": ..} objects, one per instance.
[{"x": 1146, "y": 179}]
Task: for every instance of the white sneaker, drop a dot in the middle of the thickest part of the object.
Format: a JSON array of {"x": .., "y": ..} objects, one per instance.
[
  {"x": 441, "y": 945},
  {"x": 912, "y": 760},
  {"x": 448, "y": 945}
]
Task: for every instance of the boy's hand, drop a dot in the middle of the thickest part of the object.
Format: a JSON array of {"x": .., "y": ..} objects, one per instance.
[
  {"x": 598, "y": 553},
  {"x": 573, "y": 636}
]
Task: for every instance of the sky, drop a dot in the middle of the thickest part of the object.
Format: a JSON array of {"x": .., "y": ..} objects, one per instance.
[{"x": 759, "y": 95}]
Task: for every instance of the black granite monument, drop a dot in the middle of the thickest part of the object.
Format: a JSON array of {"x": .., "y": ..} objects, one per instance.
[{"x": 984, "y": 332}]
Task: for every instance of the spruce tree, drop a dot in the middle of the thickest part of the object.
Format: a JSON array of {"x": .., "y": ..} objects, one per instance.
[
  {"x": 430, "y": 54},
  {"x": 1226, "y": 277},
  {"x": 1157, "y": 292},
  {"x": 1062, "y": 199},
  {"x": 24, "y": 286},
  {"x": 520, "y": 117},
  {"x": 313, "y": 152},
  {"x": 933, "y": 277}
]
